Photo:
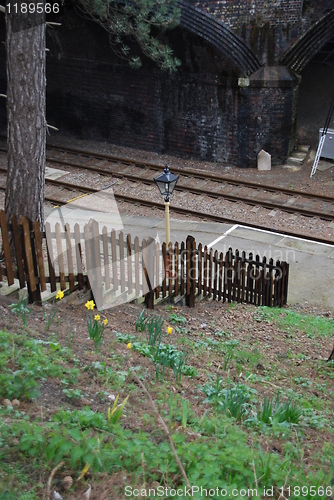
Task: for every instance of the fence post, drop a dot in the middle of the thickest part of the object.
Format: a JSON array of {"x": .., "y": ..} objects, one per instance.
[
  {"x": 6, "y": 248},
  {"x": 18, "y": 250},
  {"x": 191, "y": 279},
  {"x": 52, "y": 274},
  {"x": 148, "y": 268},
  {"x": 284, "y": 278},
  {"x": 34, "y": 291}
]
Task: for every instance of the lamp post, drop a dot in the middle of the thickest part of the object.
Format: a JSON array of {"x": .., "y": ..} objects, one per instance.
[{"x": 166, "y": 183}]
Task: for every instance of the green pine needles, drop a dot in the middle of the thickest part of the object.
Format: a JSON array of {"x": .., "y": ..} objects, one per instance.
[{"x": 140, "y": 21}]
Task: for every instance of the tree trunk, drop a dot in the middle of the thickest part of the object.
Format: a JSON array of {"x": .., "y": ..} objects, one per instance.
[{"x": 26, "y": 124}]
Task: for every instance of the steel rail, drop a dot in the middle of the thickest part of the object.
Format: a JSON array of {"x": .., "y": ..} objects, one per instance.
[
  {"x": 214, "y": 194},
  {"x": 194, "y": 190},
  {"x": 185, "y": 171},
  {"x": 230, "y": 197},
  {"x": 194, "y": 213}
]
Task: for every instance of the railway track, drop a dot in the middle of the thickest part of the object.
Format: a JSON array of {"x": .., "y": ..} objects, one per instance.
[{"x": 200, "y": 184}]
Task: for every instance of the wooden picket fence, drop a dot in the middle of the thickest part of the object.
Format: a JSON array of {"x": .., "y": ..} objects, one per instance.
[{"x": 118, "y": 269}]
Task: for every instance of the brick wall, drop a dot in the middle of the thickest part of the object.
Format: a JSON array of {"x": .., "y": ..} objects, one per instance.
[
  {"x": 199, "y": 112},
  {"x": 268, "y": 26},
  {"x": 182, "y": 114},
  {"x": 192, "y": 115}
]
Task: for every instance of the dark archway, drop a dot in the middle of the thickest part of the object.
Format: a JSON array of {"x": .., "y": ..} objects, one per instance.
[
  {"x": 309, "y": 44},
  {"x": 315, "y": 95}
]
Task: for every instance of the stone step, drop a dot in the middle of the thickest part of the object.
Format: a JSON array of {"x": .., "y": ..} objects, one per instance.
[
  {"x": 303, "y": 148},
  {"x": 294, "y": 161},
  {"x": 298, "y": 154},
  {"x": 8, "y": 290}
]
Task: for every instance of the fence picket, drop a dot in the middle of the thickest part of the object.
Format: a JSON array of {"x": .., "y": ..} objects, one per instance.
[
  {"x": 190, "y": 269},
  {"x": 18, "y": 251},
  {"x": 60, "y": 256},
  {"x": 200, "y": 269},
  {"x": 285, "y": 272},
  {"x": 148, "y": 270},
  {"x": 121, "y": 260},
  {"x": 78, "y": 255},
  {"x": 235, "y": 287},
  {"x": 158, "y": 267},
  {"x": 215, "y": 275},
  {"x": 137, "y": 279},
  {"x": 49, "y": 249},
  {"x": 263, "y": 281},
  {"x": 210, "y": 272},
  {"x": 6, "y": 248},
  {"x": 106, "y": 257},
  {"x": 69, "y": 256},
  {"x": 89, "y": 258},
  {"x": 39, "y": 252},
  {"x": 177, "y": 256},
  {"x": 270, "y": 284},
  {"x": 170, "y": 269},
  {"x": 221, "y": 266},
  {"x": 96, "y": 254},
  {"x": 205, "y": 280},
  {"x": 164, "y": 281},
  {"x": 250, "y": 275},
  {"x": 114, "y": 260},
  {"x": 144, "y": 271},
  {"x": 33, "y": 286},
  {"x": 229, "y": 275},
  {"x": 129, "y": 263},
  {"x": 182, "y": 273},
  {"x": 188, "y": 266}
]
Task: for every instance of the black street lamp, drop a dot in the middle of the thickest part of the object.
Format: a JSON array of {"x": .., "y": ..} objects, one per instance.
[{"x": 166, "y": 183}]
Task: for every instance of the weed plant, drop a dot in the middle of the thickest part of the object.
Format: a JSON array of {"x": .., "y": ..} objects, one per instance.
[
  {"x": 21, "y": 310},
  {"x": 238, "y": 401},
  {"x": 234, "y": 399},
  {"x": 274, "y": 413},
  {"x": 24, "y": 361},
  {"x": 162, "y": 355},
  {"x": 176, "y": 320}
]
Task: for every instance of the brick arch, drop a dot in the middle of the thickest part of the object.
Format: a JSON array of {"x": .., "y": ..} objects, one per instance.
[
  {"x": 309, "y": 44},
  {"x": 219, "y": 35}
]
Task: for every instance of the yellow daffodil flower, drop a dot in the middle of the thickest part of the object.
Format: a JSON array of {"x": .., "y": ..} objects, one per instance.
[
  {"x": 90, "y": 305},
  {"x": 128, "y": 345},
  {"x": 105, "y": 322},
  {"x": 60, "y": 295},
  {"x": 169, "y": 330},
  {"x": 97, "y": 317}
]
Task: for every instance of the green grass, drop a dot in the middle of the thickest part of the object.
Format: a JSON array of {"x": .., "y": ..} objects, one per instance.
[{"x": 312, "y": 326}]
